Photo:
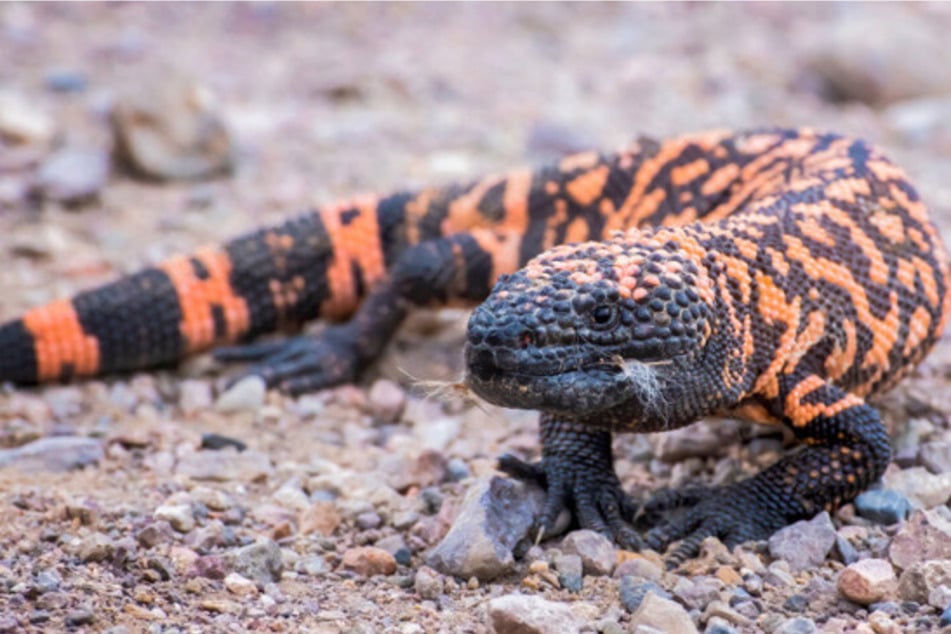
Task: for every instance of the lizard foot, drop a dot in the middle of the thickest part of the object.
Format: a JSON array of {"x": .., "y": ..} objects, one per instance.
[
  {"x": 591, "y": 491},
  {"x": 305, "y": 363},
  {"x": 734, "y": 513}
]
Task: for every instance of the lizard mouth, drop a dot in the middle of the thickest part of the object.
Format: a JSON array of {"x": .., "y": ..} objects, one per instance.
[
  {"x": 488, "y": 364},
  {"x": 564, "y": 381}
]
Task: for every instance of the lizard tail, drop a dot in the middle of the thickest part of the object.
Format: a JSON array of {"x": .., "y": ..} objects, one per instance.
[{"x": 269, "y": 280}]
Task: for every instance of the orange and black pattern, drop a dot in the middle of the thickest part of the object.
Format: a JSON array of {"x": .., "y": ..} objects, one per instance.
[
  {"x": 781, "y": 276},
  {"x": 802, "y": 264}
]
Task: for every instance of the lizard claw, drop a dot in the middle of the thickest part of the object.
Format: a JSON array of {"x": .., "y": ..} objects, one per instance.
[
  {"x": 594, "y": 496},
  {"x": 299, "y": 364},
  {"x": 731, "y": 513}
]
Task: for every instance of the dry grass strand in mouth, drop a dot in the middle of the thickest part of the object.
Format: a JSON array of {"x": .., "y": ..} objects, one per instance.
[{"x": 444, "y": 391}]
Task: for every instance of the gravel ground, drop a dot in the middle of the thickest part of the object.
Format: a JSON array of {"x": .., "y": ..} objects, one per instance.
[{"x": 162, "y": 502}]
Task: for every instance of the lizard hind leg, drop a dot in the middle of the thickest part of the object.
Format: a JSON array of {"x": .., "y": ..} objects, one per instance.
[{"x": 846, "y": 448}]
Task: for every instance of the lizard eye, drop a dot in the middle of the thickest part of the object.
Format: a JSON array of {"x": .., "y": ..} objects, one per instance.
[{"x": 603, "y": 315}]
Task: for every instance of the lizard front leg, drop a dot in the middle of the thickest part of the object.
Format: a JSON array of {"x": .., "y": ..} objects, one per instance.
[
  {"x": 846, "y": 449},
  {"x": 577, "y": 472}
]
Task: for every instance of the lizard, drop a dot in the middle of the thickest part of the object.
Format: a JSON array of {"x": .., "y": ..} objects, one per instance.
[{"x": 776, "y": 275}]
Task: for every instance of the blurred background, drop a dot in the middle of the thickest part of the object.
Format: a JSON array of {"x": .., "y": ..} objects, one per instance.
[{"x": 129, "y": 131}]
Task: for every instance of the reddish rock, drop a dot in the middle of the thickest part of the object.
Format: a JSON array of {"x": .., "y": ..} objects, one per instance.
[
  {"x": 368, "y": 561},
  {"x": 868, "y": 581}
]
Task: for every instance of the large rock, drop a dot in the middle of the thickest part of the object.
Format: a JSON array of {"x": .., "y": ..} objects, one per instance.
[
  {"x": 526, "y": 614},
  {"x": 495, "y": 516},
  {"x": 54, "y": 454},
  {"x": 921, "y": 486},
  {"x": 852, "y": 66},
  {"x": 922, "y": 580},
  {"x": 225, "y": 465},
  {"x": 662, "y": 614},
  {"x": 171, "y": 129},
  {"x": 926, "y": 535},
  {"x": 804, "y": 544}
]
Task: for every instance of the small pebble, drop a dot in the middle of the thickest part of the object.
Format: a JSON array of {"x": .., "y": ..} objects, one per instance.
[
  {"x": 431, "y": 499},
  {"x": 888, "y": 607},
  {"x": 883, "y": 624},
  {"x": 640, "y": 568},
  {"x": 570, "y": 572},
  {"x": 21, "y": 122},
  {"x": 368, "y": 561},
  {"x": 632, "y": 591},
  {"x": 224, "y": 465},
  {"x": 72, "y": 175},
  {"x": 936, "y": 456},
  {"x": 387, "y": 400},
  {"x": 728, "y": 575},
  {"x": 847, "y": 551},
  {"x": 313, "y": 566},
  {"x": 596, "y": 551},
  {"x": 368, "y": 520},
  {"x": 777, "y": 574},
  {"x": 868, "y": 581},
  {"x": 717, "y": 625},
  {"x": 883, "y": 506},
  {"x": 39, "y": 616},
  {"x": 719, "y": 610},
  {"x": 48, "y": 580},
  {"x": 240, "y": 585},
  {"x": 154, "y": 534},
  {"x": 457, "y": 470},
  {"x": 210, "y": 567},
  {"x": 96, "y": 547},
  {"x": 798, "y": 625},
  {"x": 261, "y": 562},
  {"x": 80, "y": 617},
  {"x": 946, "y": 616},
  {"x": 214, "y": 442},
  {"x": 698, "y": 591},
  {"x": 194, "y": 396},
  {"x": 428, "y": 583},
  {"x": 796, "y": 603},
  {"x": 321, "y": 518},
  {"x": 179, "y": 516},
  {"x": 247, "y": 395},
  {"x": 66, "y": 80}
]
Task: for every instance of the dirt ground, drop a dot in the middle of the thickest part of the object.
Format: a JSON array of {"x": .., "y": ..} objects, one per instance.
[{"x": 321, "y": 101}]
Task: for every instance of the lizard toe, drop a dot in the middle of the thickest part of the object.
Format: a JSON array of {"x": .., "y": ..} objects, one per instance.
[{"x": 300, "y": 364}]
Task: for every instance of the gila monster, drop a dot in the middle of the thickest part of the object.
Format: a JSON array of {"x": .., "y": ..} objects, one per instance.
[{"x": 774, "y": 275}]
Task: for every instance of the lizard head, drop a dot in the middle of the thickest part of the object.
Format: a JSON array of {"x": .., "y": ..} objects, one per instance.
[{"x": 591, "y": 328}]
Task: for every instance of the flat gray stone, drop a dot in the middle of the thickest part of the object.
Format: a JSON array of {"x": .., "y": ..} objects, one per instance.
[
  {"x": 495, "y": 516},
  {"x": 804, "y": 544}
]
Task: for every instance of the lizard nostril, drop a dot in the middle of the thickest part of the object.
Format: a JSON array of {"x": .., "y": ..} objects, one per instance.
[{"x": 525, "y": 339}]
